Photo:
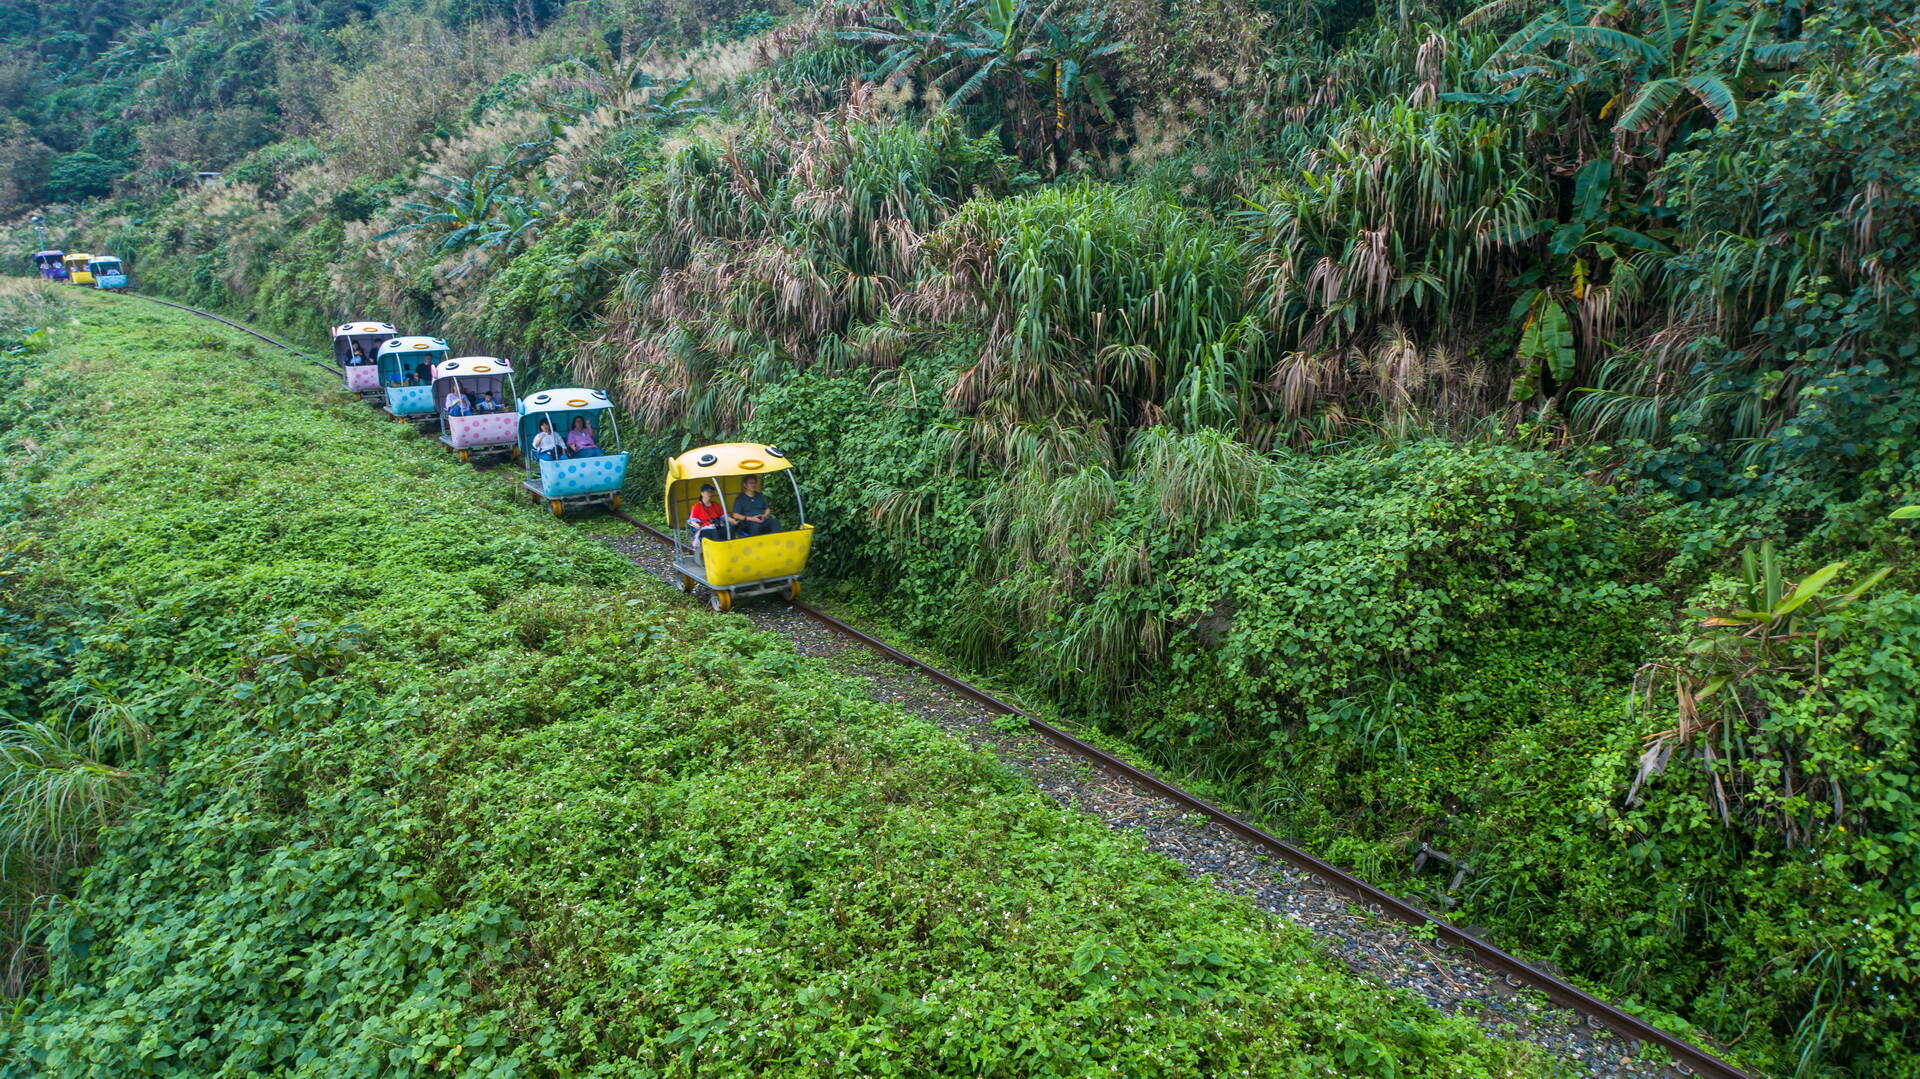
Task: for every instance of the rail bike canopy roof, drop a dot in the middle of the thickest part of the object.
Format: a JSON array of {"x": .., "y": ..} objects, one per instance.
[
  {"x": 408, "y": 345},
  {"x": 364, "y": 329},
  {"x": 462, "y": 366},
  {"x": 565, "y": 399},
  {"x": 727, "y": 459}
]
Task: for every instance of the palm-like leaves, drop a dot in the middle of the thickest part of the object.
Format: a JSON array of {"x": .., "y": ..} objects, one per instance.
[
  {"x": 621, "y": 84},
  {"x": 1682, "y": 57},
  {"x": 1044, "y": 68},
  {"x": 482, "y": 210}
]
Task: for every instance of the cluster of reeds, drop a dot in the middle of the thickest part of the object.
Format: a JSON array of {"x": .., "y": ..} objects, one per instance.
[
  {"x": 62, "y": 780},
  {"x": 1100, "y": 301},
  {"x": 786, "y": 245}
]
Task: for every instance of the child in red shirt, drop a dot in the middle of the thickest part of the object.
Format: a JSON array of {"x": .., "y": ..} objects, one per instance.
[{"x": 706, "y": 516}]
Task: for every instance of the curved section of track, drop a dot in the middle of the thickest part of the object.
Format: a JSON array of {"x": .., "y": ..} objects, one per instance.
[
  {"x": 1688, "y": 1058},
  {"x": 250, "y": 331}
]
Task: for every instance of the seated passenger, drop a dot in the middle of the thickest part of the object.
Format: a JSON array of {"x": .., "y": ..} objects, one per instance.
[
  {"x": 486, "y": 403},
  {"x": 706, "y": 517},
  {"x": 548, "y": 445},
  {"x": 580, "y": 439},
  {"x": 456, "y": 403},
  {"x": 750, "y": 515},
  {"x": 423, "y": 374},
  {"x": 396, "y": 379},
  {"x": 357, "y": 358}
]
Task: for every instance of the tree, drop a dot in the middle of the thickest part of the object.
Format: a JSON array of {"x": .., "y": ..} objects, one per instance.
[
  {"x": 23, "y": 167},
  {"x": 81, "y": 175}
]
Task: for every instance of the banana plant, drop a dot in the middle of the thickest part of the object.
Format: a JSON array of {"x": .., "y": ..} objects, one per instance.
[
  {"x": 1680, "y": 60},
  {"x": 620, "y": 83},
  {"x": 1591, "y": 248},
  {"x": 1546, "y": 344},
  {"x": 480, "y": 210},
  {"x": 1045, "y": 68}
]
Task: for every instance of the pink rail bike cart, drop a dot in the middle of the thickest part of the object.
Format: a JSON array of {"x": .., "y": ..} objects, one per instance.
[
  {"x": 483, "y": 420},
  {"x": 360, "y": 372}
]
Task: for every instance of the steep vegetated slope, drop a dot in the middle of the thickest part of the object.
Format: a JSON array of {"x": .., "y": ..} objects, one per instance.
[
  {"x": 1413, "y": 422},
  {"x": 362, "y": 771}
]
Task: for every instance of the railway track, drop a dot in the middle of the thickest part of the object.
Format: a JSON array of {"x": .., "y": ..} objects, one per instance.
[
  {"x": 248, "y": 330},
  {"x": 1687, "y": 1059}
]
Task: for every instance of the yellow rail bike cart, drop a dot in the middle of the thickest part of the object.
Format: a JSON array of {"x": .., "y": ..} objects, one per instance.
[{"x": 749, "y": 558}]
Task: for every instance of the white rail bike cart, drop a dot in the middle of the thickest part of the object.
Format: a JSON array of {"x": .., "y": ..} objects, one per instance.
[
  {"x": 477, "y": 433},
  {"x": 362, "y": 378}
]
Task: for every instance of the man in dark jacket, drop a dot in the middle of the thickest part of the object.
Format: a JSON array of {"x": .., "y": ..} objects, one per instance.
[{"x": 750, "y": 515}]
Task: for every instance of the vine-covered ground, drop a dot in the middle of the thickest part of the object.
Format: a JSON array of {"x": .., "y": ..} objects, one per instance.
[{"x": 398, "y": 776}]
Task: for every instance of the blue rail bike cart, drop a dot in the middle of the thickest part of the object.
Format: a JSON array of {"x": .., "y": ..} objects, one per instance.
[
  {"x": 406, "y": 376},
  {"x": 585, "y": 479},
  {"x": 107, "y": 272}
]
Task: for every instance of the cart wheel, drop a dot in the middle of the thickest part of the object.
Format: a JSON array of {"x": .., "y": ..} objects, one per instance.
[
  {"x": 558, "y": 507},
  {"x": 793, "y": 591},
  {"x": 722, "y": 600},
  {"x": 686, "y": 583},
  {"x": 465, "y": 456},
  {"x": 614, "y": 503}
]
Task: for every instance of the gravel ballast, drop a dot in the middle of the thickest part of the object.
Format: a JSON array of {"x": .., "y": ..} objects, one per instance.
[{"x": 1373, "y": 947}]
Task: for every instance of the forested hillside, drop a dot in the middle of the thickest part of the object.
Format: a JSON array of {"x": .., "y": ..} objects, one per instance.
[{"x": 1479, "y": 427}]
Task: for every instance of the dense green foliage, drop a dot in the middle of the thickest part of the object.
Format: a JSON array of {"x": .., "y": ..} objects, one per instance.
[
  {"x": 424, "y": 783},
  {"x": 1371, "y": 412}
]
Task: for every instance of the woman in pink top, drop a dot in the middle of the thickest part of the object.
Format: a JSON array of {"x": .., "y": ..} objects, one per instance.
[{"x": 580, "y": 439}]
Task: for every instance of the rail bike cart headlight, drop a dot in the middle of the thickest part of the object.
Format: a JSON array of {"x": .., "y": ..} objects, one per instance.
[
  {"x": 361, "y": 377},
  {"x": 107, "y": 272},
  {"x": 76, "y": 266},
  {"x": 50, "y": 265},
  {"x": 747, "y": 558},
  {"x": 406, "y": 368},
  {"x": 474, "y": 399},
  {"x": 589, "y": 477}
]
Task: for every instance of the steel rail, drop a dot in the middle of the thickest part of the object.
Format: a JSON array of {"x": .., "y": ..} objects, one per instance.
[
  {"x": 1688, "y": 1059},
  {"x": 275, "y": 342}
]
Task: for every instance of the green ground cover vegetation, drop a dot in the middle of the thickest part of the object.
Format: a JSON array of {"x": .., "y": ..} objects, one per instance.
[
  {"x": 322, "y": 756},
  {"x": 1417, "y": 423}
]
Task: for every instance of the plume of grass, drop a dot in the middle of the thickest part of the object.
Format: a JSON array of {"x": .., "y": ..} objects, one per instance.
[
  {"x": 1202, "y": 479},
  {"x": 1090, "y": 290},
  {"x": 1383, "y": 234},
  {"x": 788, "y": 245}
]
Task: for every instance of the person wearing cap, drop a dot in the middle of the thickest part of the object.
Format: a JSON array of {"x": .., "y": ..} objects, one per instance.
[{"x": 707, "y": 518}]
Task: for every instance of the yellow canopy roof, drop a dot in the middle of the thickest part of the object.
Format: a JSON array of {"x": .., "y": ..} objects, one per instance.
[
  {"x": 727, "y": 459},
  {"x": 724, "y": 463}
]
